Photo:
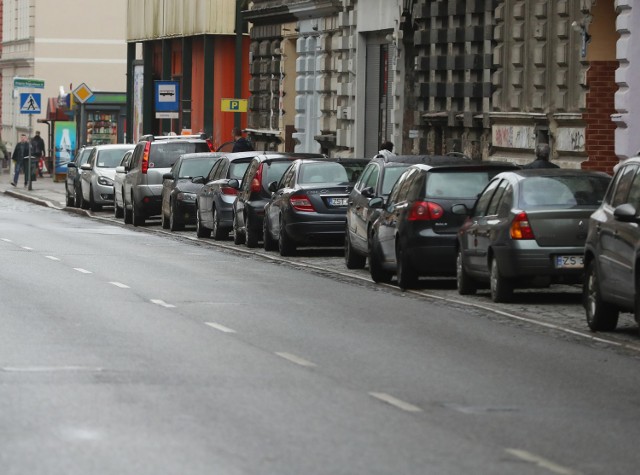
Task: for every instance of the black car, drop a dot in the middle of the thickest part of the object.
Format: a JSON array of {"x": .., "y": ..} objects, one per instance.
[
  {"x": 309, "y": 204},
  {"x": 180, "y": 186},
  {"x": 73, "y": 191},
  {"x": 612, "y": 252},
  {"x": 253, "y": 194},
  {"x": 377, "y": 179},
  {"x": 214, "y": 201},
  {"x": 416, "y": 232}
]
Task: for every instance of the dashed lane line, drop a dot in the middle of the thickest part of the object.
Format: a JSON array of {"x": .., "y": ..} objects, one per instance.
[
  {"x": 27, "y": 248},
  {"x": 120, "y": 285},
  {"x": 53, "y": 258},
  {"x": 541, "y": 462},
  {"x": 162, "y": 303},
  {"x": 219, "y": 327},
  {"x": 82, "y": 271},
  {"x": 6, "y": 240},
  {"x": 296, "y": 359},
  {"x": 393, "y": 401}
]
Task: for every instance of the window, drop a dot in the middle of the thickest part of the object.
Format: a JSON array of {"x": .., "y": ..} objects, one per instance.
[
  {"x": 623, "y": 184},
  {"x": 401, "y": 189},
  {"x": 485, "y": 198},
  {"x": 361, "y": 184},
  {"x": 109, "y": 158},
  {"x": 634, "y": 193},
  {"x": 328, "y": 172},
  {"x": 237, "y": 169},
  {"x": 196, "y": 167},
  {"x": 391, "y": 175},
  {"x": 563, "y": 192},
  {"x": 492, "y": 209},
  {"x": 457, "y": 184},
  {"x": 372, "y": 179}
]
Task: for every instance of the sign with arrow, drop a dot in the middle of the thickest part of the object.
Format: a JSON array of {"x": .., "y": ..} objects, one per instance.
[
  {"x": 30, "y": 103},
  {"x": 167, "y": 98}
]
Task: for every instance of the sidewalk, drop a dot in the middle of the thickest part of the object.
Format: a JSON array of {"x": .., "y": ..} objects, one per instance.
[{"x": 44, "y": 192}]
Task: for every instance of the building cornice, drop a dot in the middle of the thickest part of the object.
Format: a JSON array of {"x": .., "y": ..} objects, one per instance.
[{"x": 301, "y": 10}]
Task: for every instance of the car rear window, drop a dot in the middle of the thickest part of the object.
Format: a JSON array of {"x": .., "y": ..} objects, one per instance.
[
  {"x": 328, "y": 172},
  {"x": 110, "y": 158},
  {"x": 237, "y": 169},
  {"x": 196, "y": 167},
  {"x": 164, "y": 155},
  {"x": 563, "y": 191},
  {"x": 458, "y": 184},
  {"x": 391, "y": 175},
  {"x": 274, "y": 171}
]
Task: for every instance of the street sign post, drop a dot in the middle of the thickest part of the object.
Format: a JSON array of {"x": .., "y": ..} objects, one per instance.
[
  {"x": 30, "y": 103},
  {"x": 33, "y": 83},
  {"x": 167, "y": 99}
]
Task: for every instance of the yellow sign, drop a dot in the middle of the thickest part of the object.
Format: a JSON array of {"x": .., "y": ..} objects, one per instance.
[
  {"x": 234, "y": 105},
  {"x": 82, "y": 93}
]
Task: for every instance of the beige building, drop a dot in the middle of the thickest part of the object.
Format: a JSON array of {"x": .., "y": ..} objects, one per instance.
[{"x": 63, "y": 42}]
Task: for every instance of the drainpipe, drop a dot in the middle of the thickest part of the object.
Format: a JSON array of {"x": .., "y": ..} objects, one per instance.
[{"x": 239, "y": 58}]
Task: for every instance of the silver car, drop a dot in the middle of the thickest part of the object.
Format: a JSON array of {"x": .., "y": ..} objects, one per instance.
[
  {"x": 118, "y": 185},
  {"x": 96, "y": 177}
]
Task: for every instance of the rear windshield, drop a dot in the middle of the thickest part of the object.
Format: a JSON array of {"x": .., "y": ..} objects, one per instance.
[
  {"x": 458, "y": 184},
  {"x": 274, "y": 171},
  {"x": 237, "y": 169},
  {"x": 196, "y": 167},
  {"x": 110, "y": 158},
  {"x": 391, "y": 175},
  {"x": 563, "y": 191},
  {"x": 164, "y": 155},
  {"x": 329, "y": 172}
]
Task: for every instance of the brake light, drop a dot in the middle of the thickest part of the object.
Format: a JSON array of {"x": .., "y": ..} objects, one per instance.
[
  {"x": 520, "y": 227},
  {"x": 425, "y": 211},
  {"x": 210, "y": 145},
  {"x": 301, "y": 203},
  {"x": 256, "y": 183},
  {"x": 145, "y": 158},
  {"x": 227, "y": 190}
]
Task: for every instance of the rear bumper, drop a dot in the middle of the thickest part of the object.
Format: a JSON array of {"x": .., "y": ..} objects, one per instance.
[
  {"x": 148, "y": 199},
  {"x": 317, "y": 232},
  {"x": 433, "y": 254},
  {"x": 538, "y": 262}
]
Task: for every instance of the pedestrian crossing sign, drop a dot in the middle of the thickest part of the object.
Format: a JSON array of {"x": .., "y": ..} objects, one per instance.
[{"x": 30, "y": 103}]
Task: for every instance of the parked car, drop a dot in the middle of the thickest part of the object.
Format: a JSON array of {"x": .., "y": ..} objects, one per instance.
[
  {"x": 214, "y": 201},
  {"x": 253, "y": 195},
  {"x": 180, "y": 187},
  {"x": 527, "y": 229},
  {"x": 612, "y": 252},
  {"x": 308, "y": 205},
  {"x": 96, "y": 176},
  {"x": 416, "y": 232},
  {"x": 118, "y": 185},
  {"x": 152, "y": 158},
  {"x": 377, "y": 179},
  {"x": 72, "y": 180}
]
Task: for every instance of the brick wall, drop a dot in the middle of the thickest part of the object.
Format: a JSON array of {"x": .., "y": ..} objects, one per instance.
[{"x": 600, "y": 133}]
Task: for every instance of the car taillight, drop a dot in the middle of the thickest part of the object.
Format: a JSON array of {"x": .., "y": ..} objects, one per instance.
[
  {"x": 145, "y": 158},
  {"x": 301, "y": 203},
  {"x": 520, "y": 227},
  {"x": 425, "y": 211},
  {"x": 227, "y": 190},
  {"x": 256, "y": 183},
  {"x": 210, "y": 145}
]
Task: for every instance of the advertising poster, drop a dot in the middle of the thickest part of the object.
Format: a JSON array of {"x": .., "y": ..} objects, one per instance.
[
  {"x": 65, "y": 144},
  {"x": 138, "y": 77}
]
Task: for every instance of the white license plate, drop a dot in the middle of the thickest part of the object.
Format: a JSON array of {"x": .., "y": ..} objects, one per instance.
[
  {"x": 337, "y": 201},
  {"x": 569, "y": 262}
]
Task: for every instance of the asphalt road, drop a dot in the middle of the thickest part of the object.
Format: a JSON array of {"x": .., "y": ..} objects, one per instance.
[{"x": 124, "y": 351}]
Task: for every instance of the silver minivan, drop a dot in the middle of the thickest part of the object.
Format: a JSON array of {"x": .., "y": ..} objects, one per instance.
[{"x": 152, "y": 158}]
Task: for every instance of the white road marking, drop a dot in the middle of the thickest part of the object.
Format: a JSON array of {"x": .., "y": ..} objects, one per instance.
[
  {"x": 219, "y": 327},
  {"x": 541, "y": 462},
  {"x": 296, "y": 359},
  {"x": 27, "y": 248},
  {"x": 46, "y": 369},
  {"x": 52, "y": 258},
  {"x": 121, "y": 285},
  {"x": 162, "y": 303},
  {"x": 405, "y": 406},
  {"x": 6, "y": 240},
  {"x": 82, "y": 271}
]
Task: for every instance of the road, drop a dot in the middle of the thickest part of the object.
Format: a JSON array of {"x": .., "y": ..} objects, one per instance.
[{"x": 124, "y": 351}]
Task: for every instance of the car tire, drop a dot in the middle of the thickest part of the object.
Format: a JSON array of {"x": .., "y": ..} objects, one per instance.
[
  {"x": 217, "y": 232},
  {"x": 174, "y": 223},
  {"x": 137, "y": 219},
  {"x": 251, "y": 238},
  {"x": 352, "y": 259},
  {"x": 378, "y": 274},
  {"x": 286, "y": 245},
  {"x": 406, "y": 274},
  {"x": 84, "y": 204},
  {"x": 466, "y": 284},
  {"x": 164, "y": 221},
  {"x": 70, "y": 200},
  {"x": 238, "y": 236},
  {"x": 118, "y": 212},
  {"x": 128, "y": 213},
  {"x": 601, "y": 316},
  {"x": 92, "y": 201},
  {"x": 78, "y": 195},
  {"x": 501, "y": 288},
  {"x": 201, "y": 231},
  {"x": 268, "y": 242}
]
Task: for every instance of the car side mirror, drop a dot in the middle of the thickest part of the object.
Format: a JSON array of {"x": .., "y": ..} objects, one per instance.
[
  {"x": 368, "y": 192},
  {"x": 167, "y": 176},
  {"x": 273, "y": 186},
  {"x": 626, "y": 213},
  {"x": 376, "y": 203},
  {"x": 120, "y": 169},
  {"x": 200, "y": 180},
  {"x": 234, "y": 183},
  {"x": 71, "y": 165},
  {"x": 86, "y": 166},
  {"x": 460, "y": 209}
]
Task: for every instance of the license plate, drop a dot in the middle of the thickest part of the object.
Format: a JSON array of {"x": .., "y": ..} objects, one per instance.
[
  {"x": 569, "y": 262},
  {"x": 337, "y": 201}
]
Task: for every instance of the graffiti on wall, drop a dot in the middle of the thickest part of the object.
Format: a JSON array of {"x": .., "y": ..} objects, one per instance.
[
  {"x": 571, "y": 139},
  {"x": 513, "y": 136}
]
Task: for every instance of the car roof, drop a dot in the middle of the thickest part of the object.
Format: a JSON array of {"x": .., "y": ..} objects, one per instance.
[
  {"x": 459, "y": 162},
  {"x": 415, "y": 159},
  {"x": 188, "y": 156},
  {"x": 237, "y": 155},
  {"x": 334, "y": 160},
  {"x": 114, "y": 146},
  {"x": 529, "y": 172}
]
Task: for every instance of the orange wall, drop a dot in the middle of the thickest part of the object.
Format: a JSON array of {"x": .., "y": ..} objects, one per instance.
[{"x": 197, "y": 85}]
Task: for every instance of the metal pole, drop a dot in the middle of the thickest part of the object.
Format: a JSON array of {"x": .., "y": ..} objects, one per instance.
[
  {"x": 30, "y": 151},
  {"x": 83, "y": 125},
  {"x": 239, "y": 58}
]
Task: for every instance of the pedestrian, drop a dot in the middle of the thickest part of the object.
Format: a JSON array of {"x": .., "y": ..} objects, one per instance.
[
  {"x": 20, "y": 157},
  {"x": 240, "y": 143},
  {"x": 542, "y": 158},
  {"x": 386, "y": 150},
  {"x": 5, "y": 154},
  {"x": 37, "y": 149}
]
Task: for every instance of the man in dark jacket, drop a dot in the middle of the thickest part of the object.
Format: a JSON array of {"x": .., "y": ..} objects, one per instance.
[
  {"x": 241, "y": 144},
  {"x": 542, "y": 158},
  {"x": 37, "y": 149},
  {"x": 20, "y": 154}
]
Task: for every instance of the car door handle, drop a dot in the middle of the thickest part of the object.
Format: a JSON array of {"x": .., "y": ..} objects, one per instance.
[{"x": 598, "y": 229}]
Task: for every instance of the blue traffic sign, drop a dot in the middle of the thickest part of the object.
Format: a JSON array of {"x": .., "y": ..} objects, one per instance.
[
  {"x": 30, "y": 103},
  {"x": 167, "y": 96}
]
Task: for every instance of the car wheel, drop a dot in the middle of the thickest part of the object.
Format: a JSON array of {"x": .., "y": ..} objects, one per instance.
[
  {"x": 201, "y": 231},
  {"x": 92, "y": 201},
  {"x": 406, "y": 274},
  {"x": 70, "y": 200},
  {"x": 601, "y": 316},
  {"x": 466, "y": 285},
  {"x": 77, "y": 202},
  {"x": 501, "y": 288},
  {"x": 128, "y": 213},
  {"x": 118, "y": 212},
  {"x": 251, "y": 238},
  {"x": 218, "y": 233},
  {"x": 137, "y": 219},
  {"x": 378, "y": 274},
  {"x": 238, "y": 236},
  {"x": 84, "y": 204},
  {"x": 352, "y": 259},
  {"x": 164, "y": 221},
  {"x": 286, "y": 246},
  {"x": 174, "y": 223},
  {"x": 270, "y": 244}
]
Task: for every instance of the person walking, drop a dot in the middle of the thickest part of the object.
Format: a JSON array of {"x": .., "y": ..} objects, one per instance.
[
  {"x": 20, "y": 157},
  {"x": 386, "y": 150},
  {"x": 542, "y": 158},
  {"x": 241, "y": 144},
  {"x": 37, "y": 150}
]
